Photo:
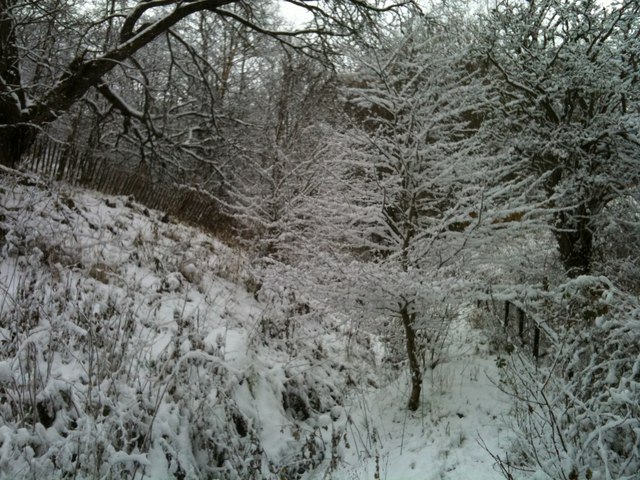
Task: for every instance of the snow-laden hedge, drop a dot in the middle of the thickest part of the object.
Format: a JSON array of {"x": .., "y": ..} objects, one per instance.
[{"x": 577, "y": 412}]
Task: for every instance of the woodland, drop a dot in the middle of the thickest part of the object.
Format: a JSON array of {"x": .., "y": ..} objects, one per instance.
[{"x": 366, "y": 176}]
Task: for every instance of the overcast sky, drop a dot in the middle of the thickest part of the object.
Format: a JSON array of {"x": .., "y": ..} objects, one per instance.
[{"x": 296, "y": 15}]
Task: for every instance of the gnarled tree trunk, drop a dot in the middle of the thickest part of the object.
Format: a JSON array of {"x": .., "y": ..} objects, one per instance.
[
  {"x": 20, "y": 118},
  {"x": 15, "y": 140},
  {"x": 576, "y": 249},
  {"x": 574, "y": 233}
]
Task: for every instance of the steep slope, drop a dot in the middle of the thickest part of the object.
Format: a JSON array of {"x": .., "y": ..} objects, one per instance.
[{"x": 130, "y": 348}]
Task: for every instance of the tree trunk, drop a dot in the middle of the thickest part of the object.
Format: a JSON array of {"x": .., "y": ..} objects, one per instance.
[
  {"x": 412, "y": 354},
  {"x": 575, "y": 242},
  {"x": 15, "y": 140},
  {"x": 15, "y": 137}
]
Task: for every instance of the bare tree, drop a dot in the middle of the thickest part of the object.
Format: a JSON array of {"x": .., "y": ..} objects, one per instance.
[{"x": 86, "y": 61}]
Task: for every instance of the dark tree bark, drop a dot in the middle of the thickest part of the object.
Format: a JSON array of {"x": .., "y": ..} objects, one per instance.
[
  {"x": 15, "y": 140},
  {"x": 408, "y": 320},
  {"x": 14, "y": 137},
  {"x": 575, "y": 244}
]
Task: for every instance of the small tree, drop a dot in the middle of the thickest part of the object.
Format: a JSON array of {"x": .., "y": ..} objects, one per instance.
[
  {"x": 273, "y": 177},
  {"x": 400, "y": 185}
]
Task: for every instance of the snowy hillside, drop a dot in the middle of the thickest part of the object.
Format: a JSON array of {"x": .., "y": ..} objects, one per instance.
[{"x": 133, "y": 347}]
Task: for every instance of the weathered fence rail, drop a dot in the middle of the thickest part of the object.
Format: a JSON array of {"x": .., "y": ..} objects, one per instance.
[
  {"x": 526, "y": 331},
  {"x": 79, "y": 166}
]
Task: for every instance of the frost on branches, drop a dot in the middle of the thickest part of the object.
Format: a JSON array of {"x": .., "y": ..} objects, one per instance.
[{"x": 577, "y": 413}]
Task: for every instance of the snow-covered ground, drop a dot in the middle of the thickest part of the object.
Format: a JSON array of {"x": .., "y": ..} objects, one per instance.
[
  {"x": 130, "y": 347},
  {"x": 462, "y": 414}
]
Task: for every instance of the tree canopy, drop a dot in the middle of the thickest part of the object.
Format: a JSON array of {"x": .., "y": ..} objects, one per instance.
[{"x": 53, "y": 52}]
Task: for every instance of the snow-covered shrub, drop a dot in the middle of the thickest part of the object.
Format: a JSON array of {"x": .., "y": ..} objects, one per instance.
[
  {"x": 123, "y": 354},
  {"x": 577, "y": 413},
  {"x": 69, "y": 406},
  {"x": 618, "y": 245},
  {"x": 285, "y": 293}
]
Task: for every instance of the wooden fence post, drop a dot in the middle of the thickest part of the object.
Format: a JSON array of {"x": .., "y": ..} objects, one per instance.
[
  {"x": 61, "y": 164},
  {"x": 506, "y": 314},
  {"x": 521, "y": 325}
]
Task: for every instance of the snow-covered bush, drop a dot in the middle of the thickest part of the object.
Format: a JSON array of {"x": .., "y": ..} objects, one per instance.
[
  {"x": 618, "y": 245},
  {"x": 577, "y": 413},
  {"x": 119, "y": 358}
]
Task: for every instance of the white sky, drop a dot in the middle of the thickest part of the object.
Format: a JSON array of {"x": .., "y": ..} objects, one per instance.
[{"x": 295, "y": 15}]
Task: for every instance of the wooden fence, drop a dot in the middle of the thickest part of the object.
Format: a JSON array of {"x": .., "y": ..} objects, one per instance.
[
  {"x": 517, "y": 327},
  {"x": 80, "y": 166},
  {"x": 526, "y": 334}
]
